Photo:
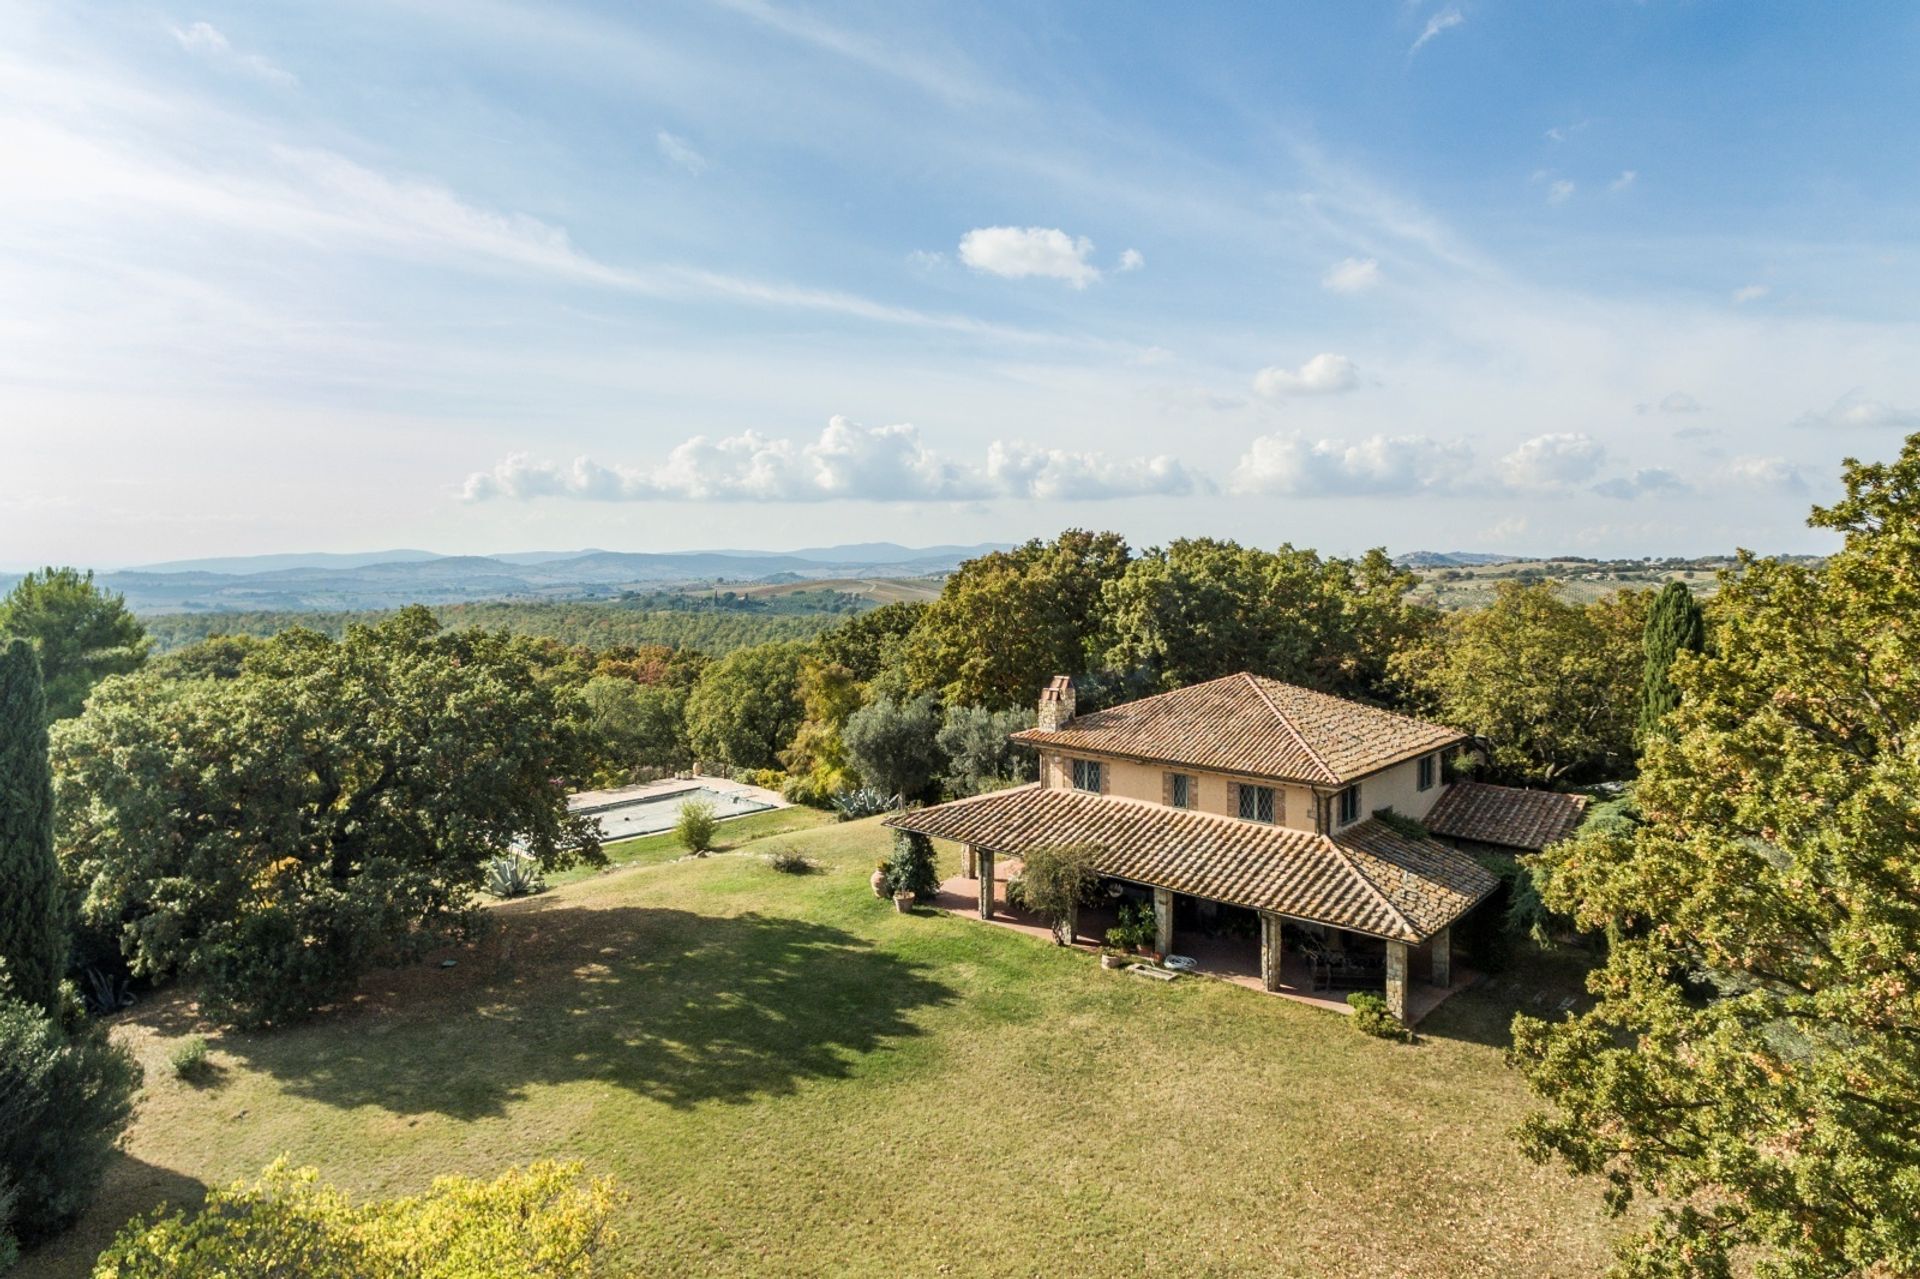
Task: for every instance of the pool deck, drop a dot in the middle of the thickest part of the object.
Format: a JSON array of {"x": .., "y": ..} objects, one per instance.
[{"x": 588, "y": 800}]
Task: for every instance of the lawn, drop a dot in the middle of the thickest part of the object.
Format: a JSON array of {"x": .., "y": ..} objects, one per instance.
[
  {"x": 734, "y": 832},
  {"x": 788, "y": 1077}
]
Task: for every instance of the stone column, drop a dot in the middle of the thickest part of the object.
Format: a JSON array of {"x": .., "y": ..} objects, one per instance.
[
  {"x": 1163, "y": 920},
  {"x": 1397, "y": 979},
  {"x": 1071, "y": 922},
  {"x": 973, "y": 871},
  {"x": 1271, "y": 936},
  {"x": 986, "y": 884},
  {"x": 1442, "y": 948}
]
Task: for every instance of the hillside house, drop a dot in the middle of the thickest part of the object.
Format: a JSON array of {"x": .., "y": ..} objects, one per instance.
[{"x": 1246, "y": 801}]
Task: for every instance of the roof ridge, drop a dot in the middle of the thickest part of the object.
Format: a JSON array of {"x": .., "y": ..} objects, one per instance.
[
  {"x": 1142, "y": 701},
  {"x": 1253, "y": 682},
  {"x": 1346, "y": 856}
]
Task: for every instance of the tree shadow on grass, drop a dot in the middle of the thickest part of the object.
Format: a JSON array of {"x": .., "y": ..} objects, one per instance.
[
  {"x": 676, "y": 1006},
  {"x": 130, "y": 1187},
  {"x": 1542, "y": 984}
]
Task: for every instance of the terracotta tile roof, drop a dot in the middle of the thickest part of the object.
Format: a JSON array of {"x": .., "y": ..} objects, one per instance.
[
  {"x": 1505, "y": 815},
  {"x": 1255, "y": 726},
  {"x": 1368, "y": 879}
]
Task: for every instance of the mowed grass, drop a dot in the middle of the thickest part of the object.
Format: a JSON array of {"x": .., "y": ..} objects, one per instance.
[
  {"x": 730, "y": 834},
  {"x": 789, "y": 1078}
]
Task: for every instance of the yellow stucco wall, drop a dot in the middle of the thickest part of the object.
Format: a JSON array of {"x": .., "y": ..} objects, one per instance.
[{"x": 1146, "y": 782}]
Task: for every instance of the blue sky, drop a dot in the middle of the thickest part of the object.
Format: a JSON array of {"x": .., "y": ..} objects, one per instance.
[{"x": 1607, "y": 278}]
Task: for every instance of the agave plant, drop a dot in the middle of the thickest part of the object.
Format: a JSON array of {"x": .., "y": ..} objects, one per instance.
[
  {"x": 864, "y": 801},
  {"x": 514, "y": 875}
]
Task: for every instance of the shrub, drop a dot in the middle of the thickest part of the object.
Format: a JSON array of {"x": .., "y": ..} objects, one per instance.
[
  {"x": 696, "y": 826},
  {"x": 979, "y": 749},
  {"x": 66, "y": 1092},
  {"x": 1372, "y": 1017},
  {"x": 1137, "y": 926},
  {"x": 892, "y": 744},
  {"x": 866, "y": 801},
  {"x": 514, "y": 875},
  {"x": 911, "y": 869},
  {"x": 1055, "y": 880},
  {"x": 543, "y": 1222},
  {"x": 765, "y": 778},
  {"x": 1411, "y": 827},
  {"x": 189, "y": 1059},
  {"x": 789, "y": 862}
]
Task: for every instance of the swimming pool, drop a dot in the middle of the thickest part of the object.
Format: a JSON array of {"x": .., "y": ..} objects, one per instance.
[{"x": 651, "y": 814}]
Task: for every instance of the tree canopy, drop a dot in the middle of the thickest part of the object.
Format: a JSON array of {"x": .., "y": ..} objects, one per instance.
[
  {"x": 33, "y": 924},
  {"x": 1009, "y": 620},
  {"x": 745, "y": 708},
  {"x": 1675, "y": 625},
  {"x": 1203, "y": 608},
  {"x": 82, "y": 633},
  {"x": 1551, "y": 687},
  {"x": 274, "y": 835},
  {"x": 544, "y": 1222},
  {"x": 1753, "y": 1060}
]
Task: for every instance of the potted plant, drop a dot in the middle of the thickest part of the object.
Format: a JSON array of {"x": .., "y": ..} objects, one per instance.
[
  {"x": 1111, "y": 958},
  {"x": 903, "y": 901}
]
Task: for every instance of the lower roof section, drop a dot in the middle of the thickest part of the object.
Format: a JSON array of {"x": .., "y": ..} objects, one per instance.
[
  {"x": 1528, "y": 820},
  {"x": 1367, "y": 879}
]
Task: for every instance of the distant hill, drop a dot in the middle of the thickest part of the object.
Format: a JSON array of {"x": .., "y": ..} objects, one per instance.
[
  {"x": 330, "y": 582},
  {"x": 273, "y": 563},
  {"x": 1453, "y": 559}
]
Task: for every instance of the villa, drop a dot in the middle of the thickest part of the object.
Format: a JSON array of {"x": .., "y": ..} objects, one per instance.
[{"x": 1247, "y": 805}]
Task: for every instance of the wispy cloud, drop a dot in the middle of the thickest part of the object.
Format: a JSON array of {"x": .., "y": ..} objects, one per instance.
[
  {"x": 1560, "y": 191},
  {"x": 1625, "y": 181},
  {"x": 1351, "y": 275},
  {"x": 1132, "y": 260},
  {"x": 205, "y": 40},
  {"x": 1654, "y": 481},
  {"x": 679, "y": 151},
  {"x": 1856, "y": 411},
  {"x": 846, "y": 462},
  {"x": 1017, "y": 253},
  {"x": 1445, "y": 20},
  {"x": 1749, "y": 293}
]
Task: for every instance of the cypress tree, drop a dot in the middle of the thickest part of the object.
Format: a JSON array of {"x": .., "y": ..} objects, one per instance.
[
  {"x": 1674, "y": 623},
  {"x": 33, "y": 941}
]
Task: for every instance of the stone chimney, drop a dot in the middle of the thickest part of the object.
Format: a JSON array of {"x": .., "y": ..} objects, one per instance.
[{"x": 1056, "y": 704}]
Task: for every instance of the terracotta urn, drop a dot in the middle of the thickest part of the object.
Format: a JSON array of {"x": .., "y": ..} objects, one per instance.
[{"x": 879, "y": 882}]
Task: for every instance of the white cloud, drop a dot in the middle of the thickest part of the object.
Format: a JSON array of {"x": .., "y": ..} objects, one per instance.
[
  {"x": 1018, "y": 252},
  {"x": 1351, "y": 275},
  {"x": 205, "y": 40},
  {"x": 679, "y": 151},
  {"x": 1445, "y": 20},
  {"x": 1766, "y": 474},
  {"x": 1560, "y": 191},
  {"x": 1750, "y": 293},
  {"x": 846, "y": 462},
  {"x": 1324, "y": 374},
  {"x": 1655, "y": 481},
  {"x": 1854, "y": 411},
  {"x": 1552, "y": 461},
  {"x": 1626, "y": 179},
  {"x": 1290, "y": 466},
  {"x": 1132, "y": 260}
]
